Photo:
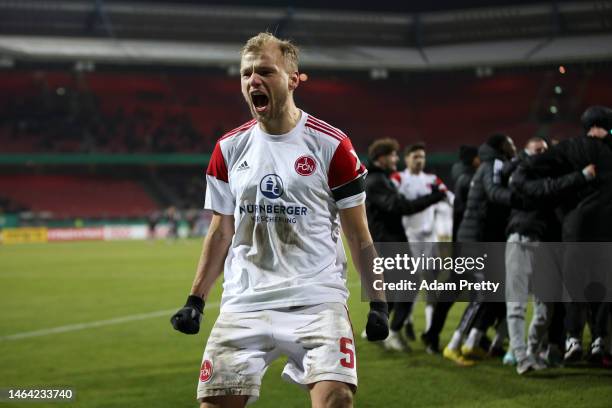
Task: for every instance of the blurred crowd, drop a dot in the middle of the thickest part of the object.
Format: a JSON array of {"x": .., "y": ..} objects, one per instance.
[{"x": 72, "y": 120}]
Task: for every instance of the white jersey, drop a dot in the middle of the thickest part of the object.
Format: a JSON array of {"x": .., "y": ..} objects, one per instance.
[
  {"x": 419, "y": 227},
  {"x": 284, "y": 192}
]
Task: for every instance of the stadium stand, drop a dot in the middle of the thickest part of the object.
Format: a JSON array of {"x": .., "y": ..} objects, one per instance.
[
  {"x": 161, "y": 112},
  {"x": 78, "y": 196}
]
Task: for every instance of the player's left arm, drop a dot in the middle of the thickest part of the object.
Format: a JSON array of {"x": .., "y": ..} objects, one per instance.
[
  {"x": 355, "y": 227},
  {"x": 346, "y": 179}
]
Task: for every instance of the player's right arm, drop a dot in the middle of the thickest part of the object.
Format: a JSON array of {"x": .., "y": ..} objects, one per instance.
[
  {"x": 214, "y": 251},
  {"x": 220, "y": 200}
]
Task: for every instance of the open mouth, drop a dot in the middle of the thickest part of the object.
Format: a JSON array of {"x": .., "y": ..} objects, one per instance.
[{"x": 260, "y": 101}]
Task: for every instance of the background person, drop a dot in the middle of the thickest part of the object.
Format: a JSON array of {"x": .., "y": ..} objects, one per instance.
[
  {"x": 587, "y": 217},
  {"x": 420, "y": 228},
  {"x": 385, "y": 208}
]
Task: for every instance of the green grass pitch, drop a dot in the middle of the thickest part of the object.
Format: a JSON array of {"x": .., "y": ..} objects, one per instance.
[{"x": 144, "y": 363}]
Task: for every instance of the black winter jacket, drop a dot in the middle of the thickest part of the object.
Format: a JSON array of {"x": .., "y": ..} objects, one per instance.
[
  {"x": 489, "y": 201},
  {"x": 587, "y": 212},
  {"x": 462, "y": 188},
  {"x": 457, "y": 170},
  {"x": 385, "y": 206},
  {"x": 541, "y": 221}
]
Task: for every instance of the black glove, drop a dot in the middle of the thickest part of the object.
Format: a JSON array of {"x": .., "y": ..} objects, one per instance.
[
  {"x": 187, "y": 319},
  {"x": 377, "y": 327}
]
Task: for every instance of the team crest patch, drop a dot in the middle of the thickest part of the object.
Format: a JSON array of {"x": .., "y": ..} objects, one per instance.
[
  {"x": 206, "y": 371},
  {"x": 271, "y": 186},
  {"x": 305, "y": 165}
]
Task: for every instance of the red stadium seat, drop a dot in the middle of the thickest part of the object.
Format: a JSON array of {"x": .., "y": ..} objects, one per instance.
[{"x": 78, "y": 196}]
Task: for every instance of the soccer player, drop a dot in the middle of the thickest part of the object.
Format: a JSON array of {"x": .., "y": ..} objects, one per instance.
[
  {"x": 280, "y": 186},
  {"x": 420, "y": 227},
  {"x": 385, "y": 207}
]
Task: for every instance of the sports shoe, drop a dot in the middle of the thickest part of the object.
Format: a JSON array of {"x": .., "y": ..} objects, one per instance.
[
  {"x": 540, "y": 364},
  {"x": 529, "y": 363},
  {"x": 509, "y": 359},
  {"x": 432, "y": 346},
  {"x": 395, "y": 342},
  {"x": 364, "y": 335},
  {"x": 597, "y": 351},
  {"x": 552, "y": 356},
  {"x": 574, "y": 350},
  {"x": 455, "y": 356},
  {"x": 475, "y": 353},
  {"x": 409, "y": 330}
]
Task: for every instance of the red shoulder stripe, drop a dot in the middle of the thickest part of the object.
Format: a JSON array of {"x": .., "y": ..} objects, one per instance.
[
  {"x": 239, "y": 129},
  {"x": 321, "y": 130},
  {"x": 327, "y": 126}
]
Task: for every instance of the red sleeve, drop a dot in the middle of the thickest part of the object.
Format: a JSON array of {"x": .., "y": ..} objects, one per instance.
[
  {"x": 345, "y": 165},
  {"x": 396, "y": 177},
  {"x": 441, "y": 186},
  {"x": 217, "y": 167}
]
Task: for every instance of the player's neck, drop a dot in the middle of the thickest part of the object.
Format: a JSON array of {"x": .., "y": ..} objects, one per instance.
[{"x": 283, "y": 124}]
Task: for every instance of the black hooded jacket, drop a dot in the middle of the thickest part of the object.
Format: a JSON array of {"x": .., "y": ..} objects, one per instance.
[
  {"x": 587, "y": 211},
  {"x": 489, "y": 201},
  {"x": 385, "y": 206}
]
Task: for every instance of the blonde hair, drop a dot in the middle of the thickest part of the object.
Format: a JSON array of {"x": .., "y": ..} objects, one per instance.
[{"x": 289, "y": 50}]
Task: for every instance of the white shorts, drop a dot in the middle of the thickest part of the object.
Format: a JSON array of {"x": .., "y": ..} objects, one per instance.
[{"x": 318, "y": 341}]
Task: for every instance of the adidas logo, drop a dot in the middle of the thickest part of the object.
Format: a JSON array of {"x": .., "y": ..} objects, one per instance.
[{"x": 243, "y": 166}]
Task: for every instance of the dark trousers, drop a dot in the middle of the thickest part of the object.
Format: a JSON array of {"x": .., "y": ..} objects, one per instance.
[
  {"x": 556, "y": 329},
  {"x": 576, "y": 315},
  {"x": 493, "y": 313},
  {"x": 401, "y": 311}
]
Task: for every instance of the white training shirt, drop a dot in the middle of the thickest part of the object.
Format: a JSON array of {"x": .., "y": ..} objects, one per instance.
[
  {"x": 419, "y": 227},
  {"x": 284, "y": 192}
]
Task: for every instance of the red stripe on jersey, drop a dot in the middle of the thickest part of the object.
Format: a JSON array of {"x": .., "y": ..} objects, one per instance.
[
  {"x": 320, "y": 129},
  {"x": 323, "y": 123},
  {"x": 327, "y": 126},
  {"x": 241, "y": 128},
  {"x": 217, "y": 167}
]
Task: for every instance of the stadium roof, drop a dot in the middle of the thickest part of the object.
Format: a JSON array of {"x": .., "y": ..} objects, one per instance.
[
  {"x": 359, "y": 5},
  {"x": 183, "y": 32}
]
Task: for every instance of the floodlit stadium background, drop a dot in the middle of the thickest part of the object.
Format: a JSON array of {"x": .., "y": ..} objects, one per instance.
[{"x": 108, "y": 114}]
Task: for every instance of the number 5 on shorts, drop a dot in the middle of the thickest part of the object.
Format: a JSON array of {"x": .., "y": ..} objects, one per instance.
[{"x": 346, "y": 347}]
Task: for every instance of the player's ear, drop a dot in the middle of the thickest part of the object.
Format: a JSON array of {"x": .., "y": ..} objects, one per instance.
[{"x": 294, "y": 80}]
